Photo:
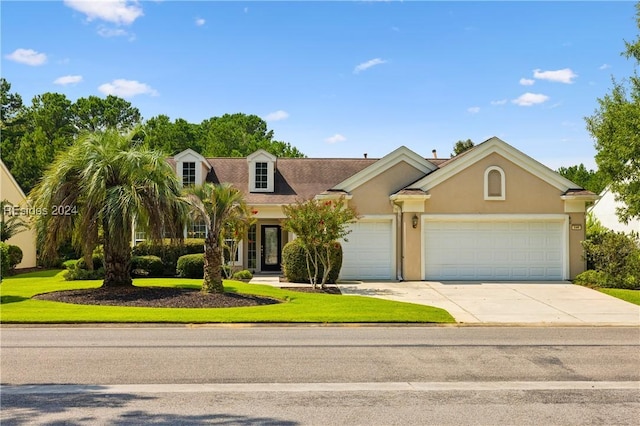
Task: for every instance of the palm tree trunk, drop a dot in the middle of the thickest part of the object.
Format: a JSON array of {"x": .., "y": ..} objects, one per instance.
[
  {"x": 212, "y": 267},
  {"x": 117, "y": 260}
]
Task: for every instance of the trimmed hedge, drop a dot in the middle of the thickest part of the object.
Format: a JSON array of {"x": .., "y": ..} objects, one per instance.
[
  {"x": 4, "y": 259},
  {"x": 97, "y": 259},
  {"x": 147, "y": 266},
  {"x": 294, "y": 263},
  {"x": 191, "y": 266},
  {"x": 15, "y": 256},
  {"x": 10, "y": 256},
  {"x": 242, "y": 275},
  {"x": 169, "y": 252}
]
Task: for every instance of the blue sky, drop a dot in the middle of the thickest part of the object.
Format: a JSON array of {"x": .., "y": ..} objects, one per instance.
[{"x": 338, "y": 79}]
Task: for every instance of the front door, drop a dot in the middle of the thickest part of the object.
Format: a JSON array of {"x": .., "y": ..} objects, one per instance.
[{"x": 271, "y": 253}]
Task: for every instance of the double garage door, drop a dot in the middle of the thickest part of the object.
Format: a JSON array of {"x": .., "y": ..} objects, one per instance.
[
  {"x": 369, "y": 254},
  {"x": 494, "y": 250}
]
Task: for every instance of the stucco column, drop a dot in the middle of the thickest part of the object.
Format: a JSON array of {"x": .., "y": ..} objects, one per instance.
[{"x": 412, "y": 246}]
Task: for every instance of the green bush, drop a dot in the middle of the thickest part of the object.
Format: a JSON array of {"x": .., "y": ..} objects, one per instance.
[
  {"x": 147, "y": 266},
  {"x": 70, "y": 264},
  {"x": 242, "y": 275},
  {"x": 97, "y": 259},
  {"x": 4, "y": 259},
  {"x": 294, "y": 263},
  {"x": 15, "y": 256},
  {"x": 191, "y": 266},
  {"x": 592, "y": 278},
  {"x": 169, "y": 252},
  {"x": 616, "y": 257},
  {"x": 83, "y": 274}
]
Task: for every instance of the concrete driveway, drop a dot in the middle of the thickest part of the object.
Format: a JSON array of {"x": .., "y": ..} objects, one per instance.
[{"x": 507, "y": 303}]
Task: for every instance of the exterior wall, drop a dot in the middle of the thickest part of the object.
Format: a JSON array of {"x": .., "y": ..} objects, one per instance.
[
  {"x": 605, "y": 211},
  {"x": 525, "y": 194},
  {"x": 26, "y": 240},
  {"x": 577, "y": 234},
  {"x": 464, "y": 192},
  {"x": 372, "y": 198},
  {"x": 411, "y": 248}
]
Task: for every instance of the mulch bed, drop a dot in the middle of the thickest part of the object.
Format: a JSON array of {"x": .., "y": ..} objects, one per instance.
[
  {"x": 166, "y": 297},
  {"x": 155, "y": 297}
]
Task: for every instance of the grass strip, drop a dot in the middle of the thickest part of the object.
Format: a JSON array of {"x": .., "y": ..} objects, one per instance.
[{"x": 18, "y": 307}]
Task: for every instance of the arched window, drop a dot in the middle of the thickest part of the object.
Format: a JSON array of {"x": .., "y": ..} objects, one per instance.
[{"x": 494, "y": 185}]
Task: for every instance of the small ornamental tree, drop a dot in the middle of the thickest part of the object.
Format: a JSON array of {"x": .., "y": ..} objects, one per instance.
[
  {"x": 318, "y": 225},
  {"x": 215, "y": 205}
]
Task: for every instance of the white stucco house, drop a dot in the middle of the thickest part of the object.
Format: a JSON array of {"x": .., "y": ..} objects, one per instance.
[{"x": 605, "y": 211}]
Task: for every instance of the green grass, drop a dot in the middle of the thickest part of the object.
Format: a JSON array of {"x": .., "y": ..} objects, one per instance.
[
  {"x": 18, "y": 307},
  {"x": 631, "y": 296}
]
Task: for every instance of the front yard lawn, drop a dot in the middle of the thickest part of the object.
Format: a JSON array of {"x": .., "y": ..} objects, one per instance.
[
  {"x": 631, "y": 296},
  {"x": 296, "y": 307}
]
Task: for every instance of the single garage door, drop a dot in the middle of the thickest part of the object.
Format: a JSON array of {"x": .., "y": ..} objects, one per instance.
[
  {"x": 369, "y": 254},
  {"x": 494, "y": 250}
]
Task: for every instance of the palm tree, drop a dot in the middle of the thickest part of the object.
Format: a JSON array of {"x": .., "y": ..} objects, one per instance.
[
  {"x": 12, "y": 225},
  {"x": 100, "y": 185},
  {"x": 215, "y": 205}
]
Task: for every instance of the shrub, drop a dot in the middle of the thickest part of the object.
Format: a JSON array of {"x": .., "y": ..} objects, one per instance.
[
  {"x": 4, "y": 259},
  {"x": 243, "y": 275},
  {"x": 169, "y": 252},
  {"x": 616, "y": 256},
  {"x": 84, "y": 274},
  {"x": 15, "y": 256},
  {"x": 191, "y": 266},
  {"x": 97, "y": 259},
  {"x": 70, "y": 264},
  {"x": 592, "y": 278},
  {"x": 294, "y": 263},
  {"x": 148, "y": 266}
]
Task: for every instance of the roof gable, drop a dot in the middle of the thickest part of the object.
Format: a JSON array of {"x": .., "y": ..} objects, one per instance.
[
  {"x": 190, "y": 155},
  {"x": 498, "y": 146},
  {"x": 385, "y": 163}
]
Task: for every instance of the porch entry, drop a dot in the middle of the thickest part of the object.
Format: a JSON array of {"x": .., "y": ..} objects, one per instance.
[{"x": 270, "y": 248}]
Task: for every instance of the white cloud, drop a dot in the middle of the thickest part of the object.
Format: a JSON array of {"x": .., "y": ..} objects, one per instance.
[
  {"x": 366, "y": 65},
  {"x": 529, "y": 99},
  {"x": 68, "y": 79},
  {"x": 127, "y": 88},
  {"x": 499, "y": 102},
  {"x": 527, "y": 82},
  {"x": 564, "y": 75},
  {"x": 604, "y": 67},
  {"x": 107, "y": 32},
  {"x": 27, "y": 57},
  {"x": 335, "y": 138},
  {"x": 277, "y": 115},
  {"x": 120, "y": 12},
  {"x": 473, "y": 110},
  {"x": 200, "y": 22}
]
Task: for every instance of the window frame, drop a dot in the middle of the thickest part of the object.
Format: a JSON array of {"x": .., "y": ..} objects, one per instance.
[
  {"x": 190, "y": 168},
  {"x": 502, "y": 195}
]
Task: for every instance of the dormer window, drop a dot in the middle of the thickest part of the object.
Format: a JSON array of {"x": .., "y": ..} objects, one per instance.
[
  {"x": 188, "y": 173},
  {"x": 262, "y": 170},
  {"x": 261, "y": 176},
  {"x": 494, "y": 184},
  {"x": 191, "y": 167}
]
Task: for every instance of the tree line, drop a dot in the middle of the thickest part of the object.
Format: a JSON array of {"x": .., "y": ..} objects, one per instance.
[{"x": 33, "y": 134}]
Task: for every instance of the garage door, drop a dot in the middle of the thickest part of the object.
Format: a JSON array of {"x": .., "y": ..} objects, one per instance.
[
  {"x": 369, "y": 253},
  {"x": 496, "y": 250}
]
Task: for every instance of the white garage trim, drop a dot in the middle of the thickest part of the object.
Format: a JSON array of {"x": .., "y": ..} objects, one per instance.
[
  {"x": 370, "y": 256},
  {"x": 562, "y": 220}
]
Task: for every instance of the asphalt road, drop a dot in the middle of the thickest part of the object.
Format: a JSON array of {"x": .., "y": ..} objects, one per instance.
[{"x": 320, "y": 375}]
